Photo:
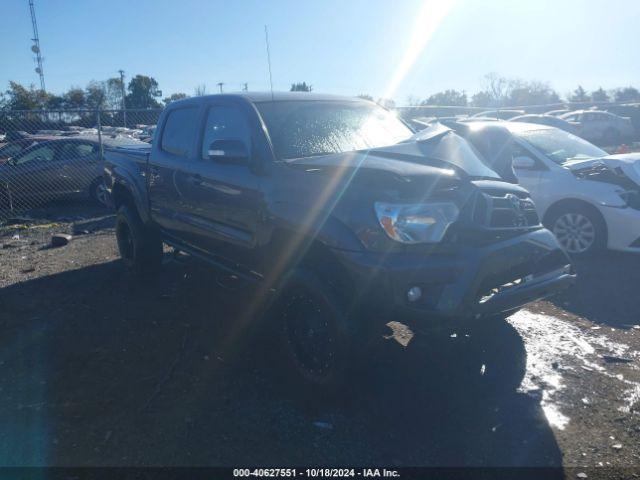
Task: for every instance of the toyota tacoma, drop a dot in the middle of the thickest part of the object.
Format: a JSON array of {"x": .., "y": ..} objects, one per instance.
[{"x": 340, "y": 215}]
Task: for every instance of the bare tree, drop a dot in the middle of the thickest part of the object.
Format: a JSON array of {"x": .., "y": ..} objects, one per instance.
[{"x": 200, "y": 90}]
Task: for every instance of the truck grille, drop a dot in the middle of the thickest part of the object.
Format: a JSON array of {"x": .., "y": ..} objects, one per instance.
[{"x": 504, "y": 211}]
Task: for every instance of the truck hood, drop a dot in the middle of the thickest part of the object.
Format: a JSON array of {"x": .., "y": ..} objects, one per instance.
[
  {"x": 434, "y": 151},
  {"x": 616, "y": 169}
]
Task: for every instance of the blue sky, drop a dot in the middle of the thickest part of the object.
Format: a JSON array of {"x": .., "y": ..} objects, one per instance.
[{"x": 339, "y": 46}]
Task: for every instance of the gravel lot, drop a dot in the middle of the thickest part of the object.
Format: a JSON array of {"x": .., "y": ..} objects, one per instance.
[{"x": 102, "y": 368}]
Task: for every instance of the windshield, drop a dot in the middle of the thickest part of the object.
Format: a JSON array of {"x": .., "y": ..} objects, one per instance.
[
  {"x": 561, "y": 146},
  {"x": 310, "y": 128}
]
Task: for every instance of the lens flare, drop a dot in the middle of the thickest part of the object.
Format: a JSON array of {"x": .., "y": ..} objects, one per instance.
[{"x": 429, "y": 18}]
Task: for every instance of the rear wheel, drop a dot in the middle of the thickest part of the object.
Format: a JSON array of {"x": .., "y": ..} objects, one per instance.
[
  {"x": 580, "y": 230},
  {"x": 140, "y": 246}
]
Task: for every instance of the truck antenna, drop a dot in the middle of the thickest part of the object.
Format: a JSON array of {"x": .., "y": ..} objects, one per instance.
[{"x": 266, "y": 39}]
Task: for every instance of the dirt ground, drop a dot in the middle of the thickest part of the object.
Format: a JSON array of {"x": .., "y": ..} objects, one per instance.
[{"x": 100, "y": 367}]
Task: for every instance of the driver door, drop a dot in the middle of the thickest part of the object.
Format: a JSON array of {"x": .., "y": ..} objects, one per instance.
[{"x": 530, "y": 176}]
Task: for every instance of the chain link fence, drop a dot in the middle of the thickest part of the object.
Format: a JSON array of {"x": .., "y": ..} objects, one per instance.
[{"x": 55, "y": 156}]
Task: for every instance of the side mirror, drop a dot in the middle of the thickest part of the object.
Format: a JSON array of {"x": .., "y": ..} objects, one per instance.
[
  {"x": 523, "y": 163},
  {"x": 231, "y": 151}
]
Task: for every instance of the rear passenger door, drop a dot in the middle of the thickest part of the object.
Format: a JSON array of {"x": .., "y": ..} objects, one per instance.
[{"x": 170, "y": 170}]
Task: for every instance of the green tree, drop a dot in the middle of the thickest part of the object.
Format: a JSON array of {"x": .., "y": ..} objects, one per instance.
[
  {"x": 579, "y": 95},
  {"x": 482, "y": 99},
  {"x": 173, "y": 97},
  {"x": 19, "y": 97},
  {"x": 627, "y": 94},
  {"x": 531, "y": 93},
  {"x": 301, "y": 87},
  {"x": 142, "y": 91},
  {"x": 55, "y": 102},
  {"x": 448, "y": 98},
  {"x": 74, "y": 98},
  {"x": 113, "y": 93},
  {"x": 599, "y": 95},
  {"x": 95, "y": 95}
]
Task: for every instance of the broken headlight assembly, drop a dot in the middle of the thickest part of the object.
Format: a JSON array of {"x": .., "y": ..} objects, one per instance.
[
  {"x": 416, "y": 223},
  {"x": 631, "y": 198}
]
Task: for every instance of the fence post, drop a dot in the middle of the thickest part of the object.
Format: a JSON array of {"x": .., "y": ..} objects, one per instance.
[{"x": 99, "y": 126}]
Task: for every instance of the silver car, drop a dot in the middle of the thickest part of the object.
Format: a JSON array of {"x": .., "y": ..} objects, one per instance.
[
  {"x": 68, "y": 166},
  {"x": 600, "y": 127}
]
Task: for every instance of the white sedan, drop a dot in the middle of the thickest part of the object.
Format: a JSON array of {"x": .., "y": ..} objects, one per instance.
[{"x": 589, "y": 199}]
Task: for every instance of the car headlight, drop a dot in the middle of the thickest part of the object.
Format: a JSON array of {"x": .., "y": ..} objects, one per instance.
[{"x": 416, "y": 223}]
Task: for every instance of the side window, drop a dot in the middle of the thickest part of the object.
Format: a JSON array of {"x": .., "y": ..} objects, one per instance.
[
  {"x": 74, "y": 151},
  {"x": 179, "y": 131},
  {"x": 10, "y": 150},
  {"x": 225, "y": 123},
  {"x": 85, "y": 149},
  {"x": 44, "y": 153}
]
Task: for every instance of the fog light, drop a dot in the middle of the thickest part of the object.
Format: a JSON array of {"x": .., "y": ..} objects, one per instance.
[{"x": 414, "y": 294}]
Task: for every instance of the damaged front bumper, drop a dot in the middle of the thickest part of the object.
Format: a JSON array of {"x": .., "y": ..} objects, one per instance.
[{"x": 461, "y": 285}]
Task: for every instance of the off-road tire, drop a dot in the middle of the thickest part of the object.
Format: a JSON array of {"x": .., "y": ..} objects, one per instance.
[
  {"x": 304, "y": 303},
  {"x": 140, "y": 246}
]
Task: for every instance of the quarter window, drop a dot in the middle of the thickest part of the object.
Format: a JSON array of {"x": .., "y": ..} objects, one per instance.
[{"x": 179, "y": 131}]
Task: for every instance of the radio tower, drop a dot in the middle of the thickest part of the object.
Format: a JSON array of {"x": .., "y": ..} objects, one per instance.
[{"x": 35, "y": 48}]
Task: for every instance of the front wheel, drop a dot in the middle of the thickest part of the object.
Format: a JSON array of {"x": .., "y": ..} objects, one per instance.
[
  {"x": 140, "y": 246},
  {"x": 580, "y": 230},
  {"x": 311, "y": 322}
]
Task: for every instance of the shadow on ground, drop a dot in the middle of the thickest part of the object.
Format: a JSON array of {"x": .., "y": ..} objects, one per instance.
[
  {"x": 102, "y": 368},
  {"x": 606, "y": 290}
]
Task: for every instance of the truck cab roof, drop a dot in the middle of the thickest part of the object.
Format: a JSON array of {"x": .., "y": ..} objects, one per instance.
[{"x": 259, "y": 97}]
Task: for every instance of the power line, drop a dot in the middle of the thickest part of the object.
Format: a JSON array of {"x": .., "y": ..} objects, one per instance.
[{"x": 35, "y": 48}]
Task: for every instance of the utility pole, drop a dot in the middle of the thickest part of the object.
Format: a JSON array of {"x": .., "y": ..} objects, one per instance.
[
  {"x": 35, "y": 48},
  {"x": 124, "y": 105},
  {"x": 220, "y": 84},
  {"x": 245, "y": 87}
]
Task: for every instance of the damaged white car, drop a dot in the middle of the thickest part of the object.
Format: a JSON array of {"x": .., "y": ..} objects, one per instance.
[{"x": 589, "y": 199}]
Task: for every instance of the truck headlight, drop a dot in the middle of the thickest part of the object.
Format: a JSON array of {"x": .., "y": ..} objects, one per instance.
[{"x": 416, "y": 223}]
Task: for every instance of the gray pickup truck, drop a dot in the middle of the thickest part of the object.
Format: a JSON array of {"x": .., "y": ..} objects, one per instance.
[{"x": 341, "y": 216}]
